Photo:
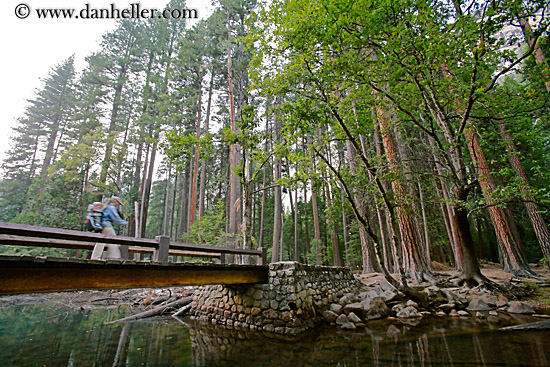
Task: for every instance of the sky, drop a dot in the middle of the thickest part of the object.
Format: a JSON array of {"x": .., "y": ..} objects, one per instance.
[{"x": 31, "y": 47}]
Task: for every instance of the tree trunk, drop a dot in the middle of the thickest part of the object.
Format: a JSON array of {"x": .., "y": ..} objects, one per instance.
[
  {"x": 316, "y": 225},
  {"x": 539, "y": 55},
  {"x": 147, "y": 188},
  {"x": 202, "y": 194},
  {"x": 359, "y": 198},
  {"x": 196, "y": 165},
  {"x": 539, "y": 225},
  {"x": 344, "y": 225},
  {"x": 166, "y": 221},
  {"x": 296, "y": 247},
  {"x": 514, "y": 261},
  {"x": 233, "y": 157},
  {"x": 277, "y": 211},
  {"x": 414, "y": 261}
]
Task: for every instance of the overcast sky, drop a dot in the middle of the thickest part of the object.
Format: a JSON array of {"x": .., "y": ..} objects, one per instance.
[{"x": 31, "y": 47}]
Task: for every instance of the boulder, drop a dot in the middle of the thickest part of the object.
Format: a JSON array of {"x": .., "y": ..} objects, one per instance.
[
  {"x": 454, "y": 313},
  {"x": 520, "y": 308},
  {"x": 336, "y": 308},
  {"x": 342, "y": 319},
  {"x": 356, "y": 308},
  {"x": 376, "y": 309},
  {"x": 501, "y": 301},
  {"x": 352, "y": 317},
  {"x": 489, "y": 299},
  {"x": 446, "y": 307},
  {"x": 477, "y": 304},
  {"x": 329, "y": 316},
  {"x": 408, "y": 312}
]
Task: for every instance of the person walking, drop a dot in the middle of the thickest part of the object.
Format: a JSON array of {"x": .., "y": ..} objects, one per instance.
[{"x": 110, "y": 216}]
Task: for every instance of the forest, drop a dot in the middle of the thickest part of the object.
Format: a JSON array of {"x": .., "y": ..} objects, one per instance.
[{"x": 382, "y": 135}]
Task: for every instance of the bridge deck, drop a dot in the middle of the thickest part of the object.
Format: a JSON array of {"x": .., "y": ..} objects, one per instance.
[{"x": 23, "y": 274}]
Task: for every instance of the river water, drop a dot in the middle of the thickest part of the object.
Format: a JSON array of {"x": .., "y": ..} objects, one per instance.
[{"x": 46, "y": 334}]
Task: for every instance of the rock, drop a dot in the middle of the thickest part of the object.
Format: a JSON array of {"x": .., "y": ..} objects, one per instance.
[
  {"x": 342, "y": 319},
  {"x": 463, "y": 313},
  {"x": 377, "y": 309},
  {"x": 446, "y": 307},
  {"x": 501, "y": 301},
  {"x": 479, "y": 315},
  {"x": 368, "y": 294},
  {"x": 356, "y": 308},
  {"x": 477, "y": 304},
  {"x": 412, "y": 303},
  {"x": 352, "y": 317},
  {"x": 454, "y": 313},
  {"x": 336, "y": 308},
  {"x": 385, "y": 290},
  {"x": 520, "y": 308},
  {"x": 408, "y": 312},
  {"x": 440, "y": 313},
  {"x": 493, "y": 313},
  {"x": 489, "y": 299},
  {"x": 329, "y": 316}
]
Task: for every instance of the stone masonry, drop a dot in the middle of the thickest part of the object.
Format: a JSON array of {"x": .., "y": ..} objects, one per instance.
[{"x": 291, "y": 302}]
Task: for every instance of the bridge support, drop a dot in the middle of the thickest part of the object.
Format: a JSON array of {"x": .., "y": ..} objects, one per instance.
[{"x": 293, "y": 298}]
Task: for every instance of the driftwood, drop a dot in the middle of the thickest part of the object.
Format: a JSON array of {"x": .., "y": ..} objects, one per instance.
[
  {"x": 182, "y": 310},
  {"x": 541, "y": 325},
  {"x": 156, "y": 311}
]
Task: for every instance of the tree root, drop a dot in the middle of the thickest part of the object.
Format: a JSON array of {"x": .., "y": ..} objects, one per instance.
[
  {"x": 179, "y": 303},
  {"x": 478, "y": 280}
]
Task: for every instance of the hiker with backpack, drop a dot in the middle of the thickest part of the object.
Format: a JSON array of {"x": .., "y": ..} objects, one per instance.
[
  {"x": 94, "y": 218},
  {"x": 110, "y": 216}
]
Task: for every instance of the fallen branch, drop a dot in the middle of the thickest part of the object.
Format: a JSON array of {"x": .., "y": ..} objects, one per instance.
[
  {"x": 155, "y": 311},
  {"x": 541, "y": 325},
  {"x": 184, "y": 309}
]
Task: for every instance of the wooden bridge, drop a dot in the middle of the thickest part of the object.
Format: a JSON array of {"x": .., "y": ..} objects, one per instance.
[{"x": 23, "y": 274}]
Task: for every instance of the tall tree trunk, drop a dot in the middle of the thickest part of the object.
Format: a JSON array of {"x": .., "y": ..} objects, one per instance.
[
  {"x": 202, "y": 191},
  {"x": 539, "y": 225},
  {"x": 344, "y": 225},
  {"x": 514, "y": 261},
  {"x": 196, "y": 164},
  {"x": 359, "y": 198},
  {"x": 166, "y": 221},
  {"x": 334, "y": 239},
  {"x": 54, "y": 129},
  {"x": 414, "y": 262},
  {"x": 111, "y": 132},
  {"x": 539, "y": 54},
  {"x": 233, "y": 158},
  {"x": 296, "y": 247},
  {"x": 277, "y": 212},
  {"x": 424, "y": 223},
  {"x": 316, "y": 225},
  {"x": 306, "y": 224},
  {"x": 147, "y": 187}
]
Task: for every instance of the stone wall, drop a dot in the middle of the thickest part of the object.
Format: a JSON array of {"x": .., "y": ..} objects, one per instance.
[{"x": 291, "y": 302}]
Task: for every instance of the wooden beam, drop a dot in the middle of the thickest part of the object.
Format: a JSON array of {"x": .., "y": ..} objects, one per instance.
[
  {"x": 76, "y": 245},
  {"x": 21, "y": 274},
  {"x": 66, "y": 234}
]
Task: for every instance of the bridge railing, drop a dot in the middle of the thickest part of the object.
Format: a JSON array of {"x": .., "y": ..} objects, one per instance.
[{"x": 161, "y": 247}]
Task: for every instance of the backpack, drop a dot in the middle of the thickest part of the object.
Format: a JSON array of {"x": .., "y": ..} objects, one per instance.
[{"x": 93, "y": 221}]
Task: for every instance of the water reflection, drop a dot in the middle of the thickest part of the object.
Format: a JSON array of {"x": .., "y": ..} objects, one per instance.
[{"x": 54, "y": 335}]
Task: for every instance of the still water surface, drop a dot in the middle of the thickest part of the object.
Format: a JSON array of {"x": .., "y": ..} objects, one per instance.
[{"x": 55, "y": 335}]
